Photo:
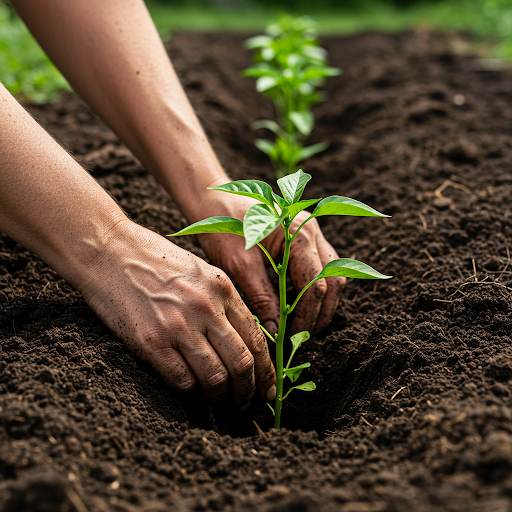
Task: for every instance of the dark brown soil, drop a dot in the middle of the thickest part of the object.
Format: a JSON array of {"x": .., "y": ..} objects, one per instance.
[{"x": 413, "y": 410}]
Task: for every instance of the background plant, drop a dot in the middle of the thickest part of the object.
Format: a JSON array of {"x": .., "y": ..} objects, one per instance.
[
  {"x": 25, "y": 70},
  {"x": 260, "y": 221},
  {"x": 289, "y": 67}
]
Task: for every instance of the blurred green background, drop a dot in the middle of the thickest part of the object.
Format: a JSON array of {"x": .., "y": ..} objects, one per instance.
[{"x": 28, "y": 73}]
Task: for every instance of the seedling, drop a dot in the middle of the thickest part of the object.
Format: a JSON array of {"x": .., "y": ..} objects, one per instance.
[
  {"x": 289, "y": 66},
  {"x": 260, "y": 221}
]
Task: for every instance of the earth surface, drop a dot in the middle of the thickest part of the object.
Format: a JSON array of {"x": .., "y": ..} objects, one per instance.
[{"x": 413, "y": 408}]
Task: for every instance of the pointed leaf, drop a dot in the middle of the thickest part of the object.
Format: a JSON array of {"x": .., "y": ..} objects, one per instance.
[
  {"x": 294, "y": 373},
  {"x": 307, "y": 386},
  {"x": 321, "y": 72},
  {"x": 292, "y": 186},
  {"x": 268, "y": 125},
  {"x": 299, "y": 338},
  {"x": 313, "y": 150},
  {"x": 259, "y": 221},
  {"x": 268, "y": 54},
  {"x": 264, "y": 83},
  {"x": 346, "y": 267},
  {"x": 250, "y": 188},
  {"x": 338, "y": 205},
  {"x": 295, "y": 208},
  {"x": 303, "y": 121},
  {"x": 266, "y": 147},
  {"x": 213, "y": 225},
  {"x": 258, "y": 42},
  {"x": 280, "y": 201}
]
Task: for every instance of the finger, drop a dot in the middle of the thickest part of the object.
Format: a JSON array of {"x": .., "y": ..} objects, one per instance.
[
  {"x": 305, "y": 265},
  {"x": 237, "y": 359},
  {"x": 334, "y": 286},
  {"x": 206, "y": 365},
  {"x": 171, "y": 366},
  {"x": 254, "y": 339},
  {"x": 250, "y": 274}
]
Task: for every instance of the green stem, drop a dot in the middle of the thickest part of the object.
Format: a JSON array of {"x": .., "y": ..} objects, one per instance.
[
  {"x": 283, "y": 315},
  {"x": 269, "y": 257}
]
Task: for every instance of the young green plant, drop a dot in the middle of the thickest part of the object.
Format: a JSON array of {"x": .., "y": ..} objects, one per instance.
[
  {"x": 274, "y": 211},
  {"x": 289, "y": 66}
]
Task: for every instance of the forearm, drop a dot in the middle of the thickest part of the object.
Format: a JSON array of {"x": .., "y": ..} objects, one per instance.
[
  {"x": 113, "y": 57},
  {"x": 48, "y": 203}
]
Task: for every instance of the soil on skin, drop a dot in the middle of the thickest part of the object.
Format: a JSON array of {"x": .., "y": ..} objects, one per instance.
[{"x": 413, "y": 410}]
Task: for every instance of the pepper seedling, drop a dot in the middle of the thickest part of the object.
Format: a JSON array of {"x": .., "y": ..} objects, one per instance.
[
  {"x": 289, "y": 67},
  {"x": 261, "y": 220}
]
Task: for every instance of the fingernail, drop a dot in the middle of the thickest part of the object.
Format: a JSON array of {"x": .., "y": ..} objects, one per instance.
[
  {"x": 245, "y": 407},
  {"x": 270, "y": 326},
  {"x": 271, "y": 393}
]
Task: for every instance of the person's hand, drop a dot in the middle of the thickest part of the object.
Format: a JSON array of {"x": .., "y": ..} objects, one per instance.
[
  {"x": 180, "y": 314},
  {"x": 309, "y": 253}
]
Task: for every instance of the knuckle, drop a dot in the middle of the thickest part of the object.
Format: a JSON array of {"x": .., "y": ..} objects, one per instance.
[
  {"x": 258, "y": 342},
  {"x": 339, "y": 283},
  {"x": 185, "y": 385},
  {"x": 244, "y": 365},
  {"x": 260, "y": 301},
  {"x": 319, "y": 289},
  {"x": 218, "y": 379}
]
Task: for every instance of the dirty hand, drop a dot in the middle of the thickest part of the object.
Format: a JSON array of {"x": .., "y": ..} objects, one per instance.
[
  {"x": 309, "y": 253},
  {"x": 180, "y": 314}
]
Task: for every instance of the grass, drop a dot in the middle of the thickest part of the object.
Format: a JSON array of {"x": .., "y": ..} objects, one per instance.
[
  {"x": 25, "y": 70},
  {"x": 28, "y": 73}
]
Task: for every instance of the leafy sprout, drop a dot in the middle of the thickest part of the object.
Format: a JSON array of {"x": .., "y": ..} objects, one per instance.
[
  {"x": 289, "y": 66},
  {"x": 278, "y": 211}
]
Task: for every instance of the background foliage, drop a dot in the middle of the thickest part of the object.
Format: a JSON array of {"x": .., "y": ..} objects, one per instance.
[{"x": 28, "y": 73}]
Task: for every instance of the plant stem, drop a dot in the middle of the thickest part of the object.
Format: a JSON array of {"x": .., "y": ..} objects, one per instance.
[{"x": 282, "y": 328}]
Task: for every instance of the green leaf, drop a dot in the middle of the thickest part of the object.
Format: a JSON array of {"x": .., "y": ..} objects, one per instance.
[
  {"x": 303, "y": 121},
  {"x": 266, "y": 147},
  {"x": 264, "y": 83},
  {"x": 259, "y": 221},
  {"x": 294, "y": 373},
  {"x": 298, "y": 339},
  {"x": 213, "y": 225},
  {"x": 320, "y": 72},
  {"x": 259, "y": 70},
  {"x": 268, "y": 125},
  {"x": 268, "y": 54},
  {"x": 258, "y": 42},
  {"x": 280, "y": 201},
  {"x": 313, "y": 150},
  {"x": 338, "y": 205},
  {"x": 292, "y": 186},
  {"x": 307, "y": 386},
  {"x": 295, "y": 208},
  {"x": 346, "y": 267},
  {"x": 250, "y": 188}
]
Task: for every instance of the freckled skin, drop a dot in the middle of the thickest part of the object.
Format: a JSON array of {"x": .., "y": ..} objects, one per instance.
[{"x": 179, "y": 313}]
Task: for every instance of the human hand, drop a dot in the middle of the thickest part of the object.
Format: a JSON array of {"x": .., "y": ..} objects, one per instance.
[
  {"x": 180, "y": 314},
  {"x": 309, "y": 253}
]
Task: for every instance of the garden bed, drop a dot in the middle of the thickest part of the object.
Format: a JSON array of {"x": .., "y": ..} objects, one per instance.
[{"x": 413, "y": 406}]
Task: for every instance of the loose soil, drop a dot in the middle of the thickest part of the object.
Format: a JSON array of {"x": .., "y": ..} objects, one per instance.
[{"x": 413, "y": 409}]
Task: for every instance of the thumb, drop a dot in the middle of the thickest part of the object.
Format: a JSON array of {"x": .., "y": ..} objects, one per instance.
[{"x": 258, "y": 290}]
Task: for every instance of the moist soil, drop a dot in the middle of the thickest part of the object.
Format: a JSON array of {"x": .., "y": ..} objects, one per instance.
[{"x": 413, "y": 409}]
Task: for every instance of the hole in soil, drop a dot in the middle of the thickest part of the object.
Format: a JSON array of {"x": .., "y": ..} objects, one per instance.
[{"x": 350, "y": 377}]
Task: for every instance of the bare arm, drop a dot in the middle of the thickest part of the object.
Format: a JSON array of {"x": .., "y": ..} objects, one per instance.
[
  {"x": 173, "y": 309},
  {"x": 111, "y": 54}
]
